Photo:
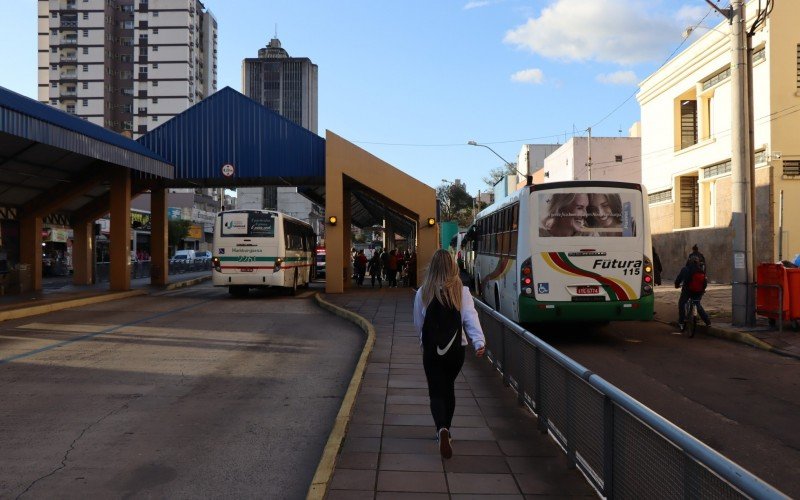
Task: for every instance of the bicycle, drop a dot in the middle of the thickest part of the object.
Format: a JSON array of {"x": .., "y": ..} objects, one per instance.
[{"x": 690, "y": 317}]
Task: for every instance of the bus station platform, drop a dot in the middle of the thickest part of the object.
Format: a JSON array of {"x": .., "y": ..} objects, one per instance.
[{"x": 389, "y": 449}]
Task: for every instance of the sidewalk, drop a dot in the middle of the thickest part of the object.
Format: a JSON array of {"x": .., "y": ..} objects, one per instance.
[
  {"x": 717, "y": 302},
  {"x": 389, "y": 450}
]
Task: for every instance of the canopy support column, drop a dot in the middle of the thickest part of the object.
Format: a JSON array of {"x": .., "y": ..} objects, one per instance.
[
  {"x": 120, "y": 244},
  {"x": 159, "y": 228}
]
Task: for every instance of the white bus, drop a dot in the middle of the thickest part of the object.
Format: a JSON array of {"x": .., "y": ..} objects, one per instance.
[
  {"x": 261, "y": 248},
  {"x": 566, "y": 252}
]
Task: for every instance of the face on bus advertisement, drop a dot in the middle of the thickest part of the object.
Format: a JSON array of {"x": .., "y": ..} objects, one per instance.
[{"x": 586, "y": 214}]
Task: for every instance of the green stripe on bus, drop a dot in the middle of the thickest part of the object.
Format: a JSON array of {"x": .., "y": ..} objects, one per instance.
[{"x": 533, "y": 311}]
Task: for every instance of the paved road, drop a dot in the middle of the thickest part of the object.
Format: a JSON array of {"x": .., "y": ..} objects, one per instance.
[
  {"x": 741, "y": 401},
  {"x": 187, "y": 394}
]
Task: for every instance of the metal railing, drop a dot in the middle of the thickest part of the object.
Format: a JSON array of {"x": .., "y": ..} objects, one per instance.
[{"x": 624, "y": 449}]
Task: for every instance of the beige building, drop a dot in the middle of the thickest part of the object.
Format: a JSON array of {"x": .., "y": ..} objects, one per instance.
[
  {"x": 613, "y": 159},
  {"x": 686, "y": 145},
  {"x": 127, "y": 65}
]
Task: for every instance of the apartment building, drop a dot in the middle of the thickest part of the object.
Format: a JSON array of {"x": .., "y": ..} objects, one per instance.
[
  {"x": 288, "y": 86},
  {"x": 127, "y": 65},
  {"x": 612, "y": 159},
  {"x": 686, "y": 145}
]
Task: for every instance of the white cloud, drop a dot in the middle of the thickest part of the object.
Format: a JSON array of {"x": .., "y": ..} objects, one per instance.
[
  {"x": 619, "y": 78},
  {"x": 533, "y": 75},
  {"x": 475, "y": 4},
  {"x": 618, "y": 31}
]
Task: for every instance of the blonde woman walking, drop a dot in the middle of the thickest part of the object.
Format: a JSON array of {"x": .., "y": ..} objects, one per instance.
[{"x": 445, "y": 316}]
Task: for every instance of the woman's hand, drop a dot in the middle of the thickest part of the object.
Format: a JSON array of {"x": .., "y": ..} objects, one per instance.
[{"x": 480, "y": 352}]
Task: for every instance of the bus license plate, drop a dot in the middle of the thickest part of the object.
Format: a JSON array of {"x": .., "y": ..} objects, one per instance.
[
  {"x": 245, "y": 269},
  {"x": 588, "y": 290}
]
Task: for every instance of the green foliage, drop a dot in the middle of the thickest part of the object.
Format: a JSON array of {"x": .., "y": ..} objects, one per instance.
[
  {"x": 178, "y": 229},
  {"x": 455, "y": 203},
  {"x": 498, "y": 173}
]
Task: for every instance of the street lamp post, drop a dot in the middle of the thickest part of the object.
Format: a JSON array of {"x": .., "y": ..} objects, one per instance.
[{"x": 528, "y": 178}]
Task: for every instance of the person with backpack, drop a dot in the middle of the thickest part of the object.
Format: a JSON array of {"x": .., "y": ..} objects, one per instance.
[
  {"x": 692, "y": 282},
  {"x": 444, "y": 316},
  {"x": 700, "y": 257}
]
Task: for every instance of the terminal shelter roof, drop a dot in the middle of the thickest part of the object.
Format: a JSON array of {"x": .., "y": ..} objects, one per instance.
[
  {"x": 45, "y": 151},
  {"x": 230, "y": 140}
]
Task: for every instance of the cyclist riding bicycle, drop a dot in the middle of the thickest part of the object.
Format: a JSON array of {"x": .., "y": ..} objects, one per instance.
[{"x": 692, "y": 282}]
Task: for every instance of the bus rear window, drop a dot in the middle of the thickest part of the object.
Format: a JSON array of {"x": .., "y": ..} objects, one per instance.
[
  {"x": 567, "y": 214},
  {"x": 247, "y": 224}
]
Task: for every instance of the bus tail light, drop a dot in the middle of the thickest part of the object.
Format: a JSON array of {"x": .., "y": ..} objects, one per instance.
[
  {"x": 647, "y": 277},
  {"x": 278, "y": 265},
  {"x": 526, "y": 277},
  {"x": 216, "y": 264}
]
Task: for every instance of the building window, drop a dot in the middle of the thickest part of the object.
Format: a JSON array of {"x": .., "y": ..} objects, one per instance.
[
  {"x": 660, "y": 196},
  {"x": 53, "y": 49},
  {"x": 618, "y": 158},
  {"x": 85, "y": 15},
  {"x": 54, "y": 102},
  {"x": 54, "y": 66},
  {"x": 85, "y": 85},
  {"x": 54, "y": 85},
  {"x": 155, "y": 83},
  {"x": 85, "y": 68},
  {"x": 54, "y": 15},
  {"x": 85, "y": 102},
  {"x": 155, "y": 31},
  {"x": 155, "y": 100},
  {"x": 155, "y": 14},
  {"x": 155, "y": 65},
  {"x": 155, "y": 48},
  {"x": 85, "y": 33},
  {"x": 71, "y": 108},
  {"x": 689, "y": 201},
  {"x": 688, "y": 123},
  {"x": 760, "y": 157},
  {"x": 85, "y": 50},
  {"x": 155, "y": 118},
  {"x": 717, "y": 169},
  {"x": 722, "y": 75}
]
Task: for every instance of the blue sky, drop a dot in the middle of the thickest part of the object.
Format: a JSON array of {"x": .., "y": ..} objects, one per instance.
[{"x": 411, "y": 82}]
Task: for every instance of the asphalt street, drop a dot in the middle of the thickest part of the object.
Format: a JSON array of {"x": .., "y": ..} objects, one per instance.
[
  {"x": 185, "y": 394},
  {"x": 741, "y": 401}
]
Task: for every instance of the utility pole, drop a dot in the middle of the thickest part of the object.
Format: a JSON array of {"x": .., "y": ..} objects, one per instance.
[
  {"x": 743, "y": 293},
  {"x": 589, "y": 161}
]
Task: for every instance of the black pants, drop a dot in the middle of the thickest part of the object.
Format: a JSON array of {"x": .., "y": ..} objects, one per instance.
[
  {"x": 441, "y": 372},
  {"x": 684, "y": 298}
]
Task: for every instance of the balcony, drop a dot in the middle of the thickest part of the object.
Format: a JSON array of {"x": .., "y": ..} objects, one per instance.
[
  {"x": 68, "y": 6},
  {"x": 68, "y": 59},
  {"x": 68, "y": 76},
  {"x": 69, "y": 95},
  {"x": 68, "y": 41},
  {"x": 68, "y": 23}
]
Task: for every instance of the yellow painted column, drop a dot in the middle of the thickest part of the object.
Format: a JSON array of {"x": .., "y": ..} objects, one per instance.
[
  {"x": 82, "y": 255},
  {"x": 427, "y": 243},
  {"x": 347, "y": 241},
  {"x": 120, "y": 244},
  {"x": 30, "y": 253},
  {"x": 334, "y": 235},
  {"x": 159, "y": 263}
]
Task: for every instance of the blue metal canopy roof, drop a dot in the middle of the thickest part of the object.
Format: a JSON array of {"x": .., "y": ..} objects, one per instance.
[
  {"x": 31, "y": 120},
  {"x": 228, "y": 128}
]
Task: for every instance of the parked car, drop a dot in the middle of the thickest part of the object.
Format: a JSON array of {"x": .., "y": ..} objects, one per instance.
[
  {"x": 203, "y": 255},
  {"x": 183, "y": 256}
]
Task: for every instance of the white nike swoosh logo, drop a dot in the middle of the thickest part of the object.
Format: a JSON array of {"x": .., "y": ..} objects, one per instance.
[{"x": 441, "y": 352}]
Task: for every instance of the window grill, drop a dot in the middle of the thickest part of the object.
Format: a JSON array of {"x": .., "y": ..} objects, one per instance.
[
  {"x": 722, "y": 75},
  {"x": 791, "y": 168},
  {"x": 660, "y": 196},
  {"x": 717, "y": 169}
]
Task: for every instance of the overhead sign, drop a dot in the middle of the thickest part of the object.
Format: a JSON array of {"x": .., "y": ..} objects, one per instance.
[
  {"x": 174, "y": 213},
  {"x": 228, "y": 170}
]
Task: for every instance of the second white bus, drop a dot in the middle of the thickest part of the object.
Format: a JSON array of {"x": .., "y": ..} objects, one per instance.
[{"x": 261, "y": 248}]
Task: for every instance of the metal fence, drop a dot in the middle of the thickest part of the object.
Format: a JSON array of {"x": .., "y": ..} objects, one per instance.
[
  {"x": 623, "y": 448},
  {"x": 141, "y": 269}
]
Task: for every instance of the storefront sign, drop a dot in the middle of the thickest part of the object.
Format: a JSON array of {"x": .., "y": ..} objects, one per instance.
[
  {"x": 140, "y": 221},
  {"x": 174, "y": 213},
  {"x": 195, "y": 232},
  {"x": 55, "y": 235}
]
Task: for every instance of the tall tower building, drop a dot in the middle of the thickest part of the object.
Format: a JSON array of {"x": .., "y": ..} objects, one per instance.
[
  {"x": 288, "y": 86},
  {"x": 126, "y": 65}
]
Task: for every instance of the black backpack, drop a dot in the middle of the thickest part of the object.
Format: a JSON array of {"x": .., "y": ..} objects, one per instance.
[{"x": 442, "y": 327}]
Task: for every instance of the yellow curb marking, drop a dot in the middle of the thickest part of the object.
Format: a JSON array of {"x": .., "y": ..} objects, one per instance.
[
  {"x": 322, "y": 477},
  {"x": 24, "y": 312}
]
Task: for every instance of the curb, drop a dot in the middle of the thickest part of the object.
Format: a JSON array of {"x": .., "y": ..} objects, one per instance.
[
  {"x": 183, "y": 284},
  {"x": 24, "y": 312},
  {"x": 324, "y": 472},
  {"x": 737, "y": 336}
]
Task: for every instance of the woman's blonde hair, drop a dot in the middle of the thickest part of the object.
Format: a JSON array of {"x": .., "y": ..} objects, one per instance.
[{"x": 442, "y": 281}]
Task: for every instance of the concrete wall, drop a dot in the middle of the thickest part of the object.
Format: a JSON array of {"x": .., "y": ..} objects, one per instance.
[{"x": 569, "y": 161}]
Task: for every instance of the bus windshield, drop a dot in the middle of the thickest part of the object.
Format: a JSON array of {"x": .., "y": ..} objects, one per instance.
[
  {"x": 248, "y": 224},
  {"x": 606, "y": 213}
]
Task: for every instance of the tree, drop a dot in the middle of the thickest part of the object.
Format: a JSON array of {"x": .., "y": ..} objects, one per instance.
[
  {"x": 455, "y": 203},
  {"x": 498, "y": 173},
  {"x": 177, "y": 230}
]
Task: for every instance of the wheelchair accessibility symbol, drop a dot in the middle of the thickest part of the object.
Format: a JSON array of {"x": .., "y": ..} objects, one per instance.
[{"x": 544, "y": 288}]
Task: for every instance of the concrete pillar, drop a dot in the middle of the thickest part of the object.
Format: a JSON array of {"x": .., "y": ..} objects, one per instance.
[
  {"x": 30, "y": 253},
  {"x": 347, "y": 240},
  {"x": 334, "y": 235},
  {"x": 120, "y": 245},
  {"x": 83, "y": 252},
  {"x": 427, "y": 243},
  {"x": 159, "y": 263}
]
